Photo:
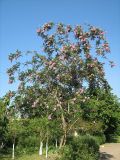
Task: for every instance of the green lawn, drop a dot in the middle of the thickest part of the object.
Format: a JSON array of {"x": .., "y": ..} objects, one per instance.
[
  {"x": 34, "y": 156},
  {"x": 118, "y": 139}
]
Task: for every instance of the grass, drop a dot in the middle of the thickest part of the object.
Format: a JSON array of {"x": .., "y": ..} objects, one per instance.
[
  {"x": 118, "y": 139},
  {"x": 34, "y": 156}
]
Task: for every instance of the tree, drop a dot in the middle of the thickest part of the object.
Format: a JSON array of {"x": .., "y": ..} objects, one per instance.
[
  {"x": 56, "y": 82},
  {"x": 14, "y": 131},
  {"x": 103, "y": 107},
  {"x": 3, "y": 122}
]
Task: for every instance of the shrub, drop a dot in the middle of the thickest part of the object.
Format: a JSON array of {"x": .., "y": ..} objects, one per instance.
[
  {"x": 101, "y": 139},
  {"x": 81, "y": 148}
]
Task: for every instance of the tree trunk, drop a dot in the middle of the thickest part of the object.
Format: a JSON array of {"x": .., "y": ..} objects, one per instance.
[
  {"x": 61, "y": 141},
  {"x": 68, "y": 107},
  {"x": 13, "y": 151},
  {"x": 2, "y": 145},
  {"x": 47, "y": 148},
  {"x": 41, "y": 147},
  {"x": 63, "y": 138},
  {"x": 56, "y": 143}
]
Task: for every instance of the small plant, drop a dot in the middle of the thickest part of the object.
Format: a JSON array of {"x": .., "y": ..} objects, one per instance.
[{"x": 81, "y": 148}]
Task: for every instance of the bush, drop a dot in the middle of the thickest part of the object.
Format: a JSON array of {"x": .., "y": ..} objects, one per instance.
[
  {"x": 28, "y": 144},
  {"x": 101, "y": 139},
  {"x": 81, "y": 148}
]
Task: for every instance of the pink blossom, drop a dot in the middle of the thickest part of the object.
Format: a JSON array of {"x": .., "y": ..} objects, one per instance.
[
  {"x": 35, "y": 103},
  {"x": 38, "y": 30},
  {"x": 81, "y": 91},
  {"x": 10, "y": 81},
  {"x": 88, "y": 56},
  {"x": 49, "y": 117},
  {"x": 73, "y": 47},
  {"x": 58, "y": 77},
  {"x": 52, "y": 65},
  {"x": 102, "y": 33},
  {"x": 95, "y": 60},
  {"x": 107, "y": 49},
  {"x": 93, "y": 29},
  {"x": 112, "y": 64},
  {"x": 10, "y": 94},
  {"x": 61, "y": 57},
  {"x": 68, "y": 28}
]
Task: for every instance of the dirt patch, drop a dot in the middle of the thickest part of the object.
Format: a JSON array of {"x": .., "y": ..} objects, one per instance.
[{"x": 110, "y": 151}]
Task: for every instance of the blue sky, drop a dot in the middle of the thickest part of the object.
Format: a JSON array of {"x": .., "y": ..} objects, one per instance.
[{"x": 20, "y": 18}]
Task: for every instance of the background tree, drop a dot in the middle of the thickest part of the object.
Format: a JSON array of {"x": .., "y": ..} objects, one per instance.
[{"x": 3, "y": 122}]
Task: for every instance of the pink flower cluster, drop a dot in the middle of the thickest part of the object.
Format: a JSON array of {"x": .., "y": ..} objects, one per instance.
[
  {"x": 62, "y": 57},
  {"x": 93, "y": 29},
  {"x": 35, "y": 103},
  {"x": 10, "y": 94},
  {"x": 46, "y": 27},
  {"x": 95, "y": 60},
  {"x": 78, "y": 31},
  {"x": 81, "y": 90},
  {"x": 68, "y": 28},
  {"x": 112, "y": 64},
  {"x": 51, "y": 64},
  {"x": 102, "y": 33},
  {"x": 106, "y": 47},
  {"x": 91, "y": 65},
  {"x": 64, "y": 49},
  {"x": 58, "y": 77},
  {"x": 88, "y": 56},
  {"x": 97, "y": 32},
  {"x": 99, "y": 51},
  {"x": 72, "y": 47},
  {"x": 11, "y": 79},
  {"x": 82, "y": 38},
  {"x": 14, "y": 56},
  {"x": 60, "y": 29}
]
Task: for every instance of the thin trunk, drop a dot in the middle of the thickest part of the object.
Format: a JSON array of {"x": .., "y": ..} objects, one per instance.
[
  {"x": 47, "y": 148},
  {"x": 68, "y": 107},
  {"x": 63, "y": 138},
  {"x": 41, "y": 148},
  {"x": 56, "y": 143},
  {"x": 61, "y": 141},
  {"x": 13, "y": 151},
  {"x": 2, "y": 145}
]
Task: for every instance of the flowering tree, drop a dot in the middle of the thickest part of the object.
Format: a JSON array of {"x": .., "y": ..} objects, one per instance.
[{"x": 58, "y": 80}]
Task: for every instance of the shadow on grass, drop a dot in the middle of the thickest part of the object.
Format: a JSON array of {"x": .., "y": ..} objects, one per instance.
[
  {"x": 105, "y": 156},
  {"x": 5, "y": 157}
]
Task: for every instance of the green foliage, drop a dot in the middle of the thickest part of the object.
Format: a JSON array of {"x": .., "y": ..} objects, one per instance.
[
  {"x": 81, "y": 148},
  {"x": 101, "y": 139},
  {"x": 103, "y": 107},
  {"x": 3, "y": 123}
]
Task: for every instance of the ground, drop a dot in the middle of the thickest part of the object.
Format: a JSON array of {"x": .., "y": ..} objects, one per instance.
[
  {"x": 30, "y": 157},
  {"x": 110, "y": 151}
]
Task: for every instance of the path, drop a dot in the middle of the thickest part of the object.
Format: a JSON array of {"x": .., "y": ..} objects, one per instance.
[{"x": 110, "y": 151}]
